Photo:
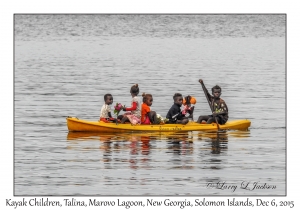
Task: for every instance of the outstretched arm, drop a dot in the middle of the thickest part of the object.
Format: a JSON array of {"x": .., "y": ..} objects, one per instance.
[
  {"x": 205, "y": 90},
  {"x": 134, "y": 106}
]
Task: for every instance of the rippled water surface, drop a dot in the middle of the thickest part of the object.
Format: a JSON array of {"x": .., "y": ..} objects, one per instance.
[{"x": 64, "y": 64}]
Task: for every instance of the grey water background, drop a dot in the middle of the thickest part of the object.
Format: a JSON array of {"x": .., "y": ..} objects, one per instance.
[{"x": 64, "y": 64}]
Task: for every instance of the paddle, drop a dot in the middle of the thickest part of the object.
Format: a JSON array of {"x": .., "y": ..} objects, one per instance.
[{"x": 211, "y": 108}]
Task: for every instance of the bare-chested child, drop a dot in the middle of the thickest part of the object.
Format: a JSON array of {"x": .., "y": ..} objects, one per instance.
[{"x": 218, "y": 106}]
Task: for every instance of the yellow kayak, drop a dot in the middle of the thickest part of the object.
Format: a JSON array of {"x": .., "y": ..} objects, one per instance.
[{"x": 75, "y": 124}]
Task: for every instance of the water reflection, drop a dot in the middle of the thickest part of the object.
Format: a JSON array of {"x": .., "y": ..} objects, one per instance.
[
  {"x": 218, "y": 141},
  {"x": 177, "y": 150},
  {"x": 180, "y": 143}
]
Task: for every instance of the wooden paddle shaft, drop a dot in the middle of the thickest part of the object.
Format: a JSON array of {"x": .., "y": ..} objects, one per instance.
[{"x": 210, "y": 105}]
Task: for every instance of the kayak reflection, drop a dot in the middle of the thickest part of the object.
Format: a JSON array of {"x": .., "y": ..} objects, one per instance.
[
  {"x": 181, "y": 143},
  {"x": 149, "y": 150}
]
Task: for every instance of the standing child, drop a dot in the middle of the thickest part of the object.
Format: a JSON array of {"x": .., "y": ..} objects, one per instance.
[
  {"x": 133, "y": 113},
  {"x": 218, "y": 106},
  {"x": 105, "y": 113},
  {"x": 175, "y": 115},
  {"x": 148, "y": 116}
]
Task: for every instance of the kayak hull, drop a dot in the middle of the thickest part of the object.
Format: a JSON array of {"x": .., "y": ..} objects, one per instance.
[{"x": 77, "y": 125}]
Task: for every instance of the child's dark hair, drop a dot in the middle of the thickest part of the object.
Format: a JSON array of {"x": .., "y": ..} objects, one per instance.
[
  {"x": 135, "y": 89},
  {"x": 146, "y": 96},
  {"x": 216, "y": 87},
  {"x": 188, "y": 99},
  {"x": 106, "y": 95},
  {"x": 177, "y": 95}
]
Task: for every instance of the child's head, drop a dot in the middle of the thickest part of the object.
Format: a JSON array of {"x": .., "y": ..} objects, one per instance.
[
  {"x": 216, "y": 91},
  {"x": 178, "y": 98},
  {"x": 147, "y": 99},
  {"x": 188, "y": 100},
  {"x": 108, "y": 99},
  {"x": 134, "y": 90}
]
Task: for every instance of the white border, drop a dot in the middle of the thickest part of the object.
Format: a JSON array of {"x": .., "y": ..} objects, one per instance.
[{"x": 8, "y": 8}]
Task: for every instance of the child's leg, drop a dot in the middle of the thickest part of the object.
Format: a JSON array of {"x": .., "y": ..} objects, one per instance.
[
  {"x": 191, "y": 112},
  {"x": 152, "y": 117},
  {"x": 203, "y": 117},
  {"x": 184, "y": 121},
  {"x": 220, "y": 120},
  {"x": 210, "y": 120},
  {"x": 125, "y": 119},
  {"x": 114, "y": 120},
  {"x": 213, "y": 119}
]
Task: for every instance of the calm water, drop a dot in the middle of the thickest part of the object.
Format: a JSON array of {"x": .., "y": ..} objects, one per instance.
[{"x": 64, "y": 64}]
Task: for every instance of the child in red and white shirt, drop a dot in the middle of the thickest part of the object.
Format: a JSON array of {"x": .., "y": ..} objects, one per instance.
[
  {"x": 187, "y": 105},
  {"x": 133, "y": 113}
]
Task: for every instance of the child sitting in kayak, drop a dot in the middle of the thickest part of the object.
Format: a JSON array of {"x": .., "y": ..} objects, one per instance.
[
  {"x": 218, "y": 106},
  {"x": 188, "y": 108},
  {"x": 148, "y": 116},
  {"x": 133, "y": 113},
  {"x": 175, "y": 115},
  {"x": 105, "y": 113}
]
